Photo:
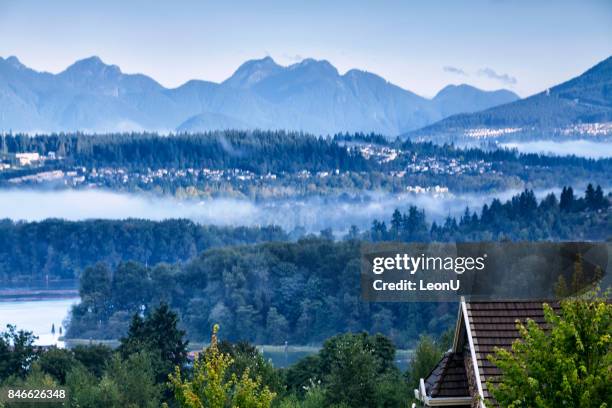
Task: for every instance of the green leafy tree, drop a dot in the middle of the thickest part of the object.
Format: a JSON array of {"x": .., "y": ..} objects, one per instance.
[
  {"x": 352, "y": 377},
  {"x": 135, "y": 378},
  {"x": 352, "y": 369},
  {"x": 568, "y": 365},
  {"x": 126, "y": 383},
  {"x": 246, "y": 358},
  {"x": 36, "y": 379},
  {"x": 57, "y": 363},
  {"x": 426, "y": 355},
  {"x": 277, "y": 326},
  {"x": 95, "y": 289},
  {"x": 94, "y": 357},
  {"x": 314, "y": 397},
  {"x": 17, "y": 352},
  {"x": 209, "y": 387},
  {"x": 159, "y": 334},
  {"x": 131, "y": 286},
  {"x": 87, "y": 391}
]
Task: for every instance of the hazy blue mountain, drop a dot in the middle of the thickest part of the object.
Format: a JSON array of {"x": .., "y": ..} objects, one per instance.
[
  {"x": 464, "y": 98},
  {"x": 563, "y": 109},
  {"x": 213, "y": 121},
  {"x": 252, "y": 72},
  {"x": 310, "y": 96}
]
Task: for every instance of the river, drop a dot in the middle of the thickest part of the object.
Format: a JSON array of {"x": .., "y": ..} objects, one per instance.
[{"x": 37, "y": 316}]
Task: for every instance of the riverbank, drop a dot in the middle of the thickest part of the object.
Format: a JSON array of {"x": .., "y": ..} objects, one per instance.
[
  {"x": 280, "y": 355},
  {"x": 24, "y": 295}
]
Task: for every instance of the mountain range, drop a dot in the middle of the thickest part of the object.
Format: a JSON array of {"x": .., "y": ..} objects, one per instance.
[
  {"x": 310, "y": 96},
  {"x": 579, "y": 107}
]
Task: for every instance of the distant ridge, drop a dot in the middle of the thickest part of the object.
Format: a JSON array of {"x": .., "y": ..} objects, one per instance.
[
  {"x": 309, "y": 96},
  {"x": 580, "y": 107}
]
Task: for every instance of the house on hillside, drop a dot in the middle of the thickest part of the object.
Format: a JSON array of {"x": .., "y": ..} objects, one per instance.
[{"x": 460, "y": 378}]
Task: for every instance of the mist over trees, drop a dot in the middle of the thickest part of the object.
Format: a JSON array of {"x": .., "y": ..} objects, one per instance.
[
  {"x": 520, "y": 218},
  {"x": 306, "y": 291}
]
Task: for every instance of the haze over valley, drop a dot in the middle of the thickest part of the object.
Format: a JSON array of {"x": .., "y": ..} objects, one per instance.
[{"x": 309, "y": 215}]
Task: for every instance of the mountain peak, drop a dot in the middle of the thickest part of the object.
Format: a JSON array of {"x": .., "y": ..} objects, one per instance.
[
  {"x": 311, "y": 64},
  {"x": 308, "y": 96},
  {"x": 14, "y": 62},
  {"x": 253, "y": 71},
  {"x": 452, "y": 88},
  {"x": 359, "y": 73},
  {"x": 585, "y": 99},
  {"x": 92, "y": 66},
  {"x": 465, "y": 90}
]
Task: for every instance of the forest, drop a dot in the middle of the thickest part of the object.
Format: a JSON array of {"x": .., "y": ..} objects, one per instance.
[
  {"x": 56, "y": 249},
  {"x": 305, "y": 291},
  {"x": 259, "y": 151},
  {"x": 522, "y": 218},
  {"x": 288, "y": 164},
  {"x": 151, "y": 367}
]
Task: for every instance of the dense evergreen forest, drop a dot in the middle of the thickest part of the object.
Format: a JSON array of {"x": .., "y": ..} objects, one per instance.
[
  {"x": 31, "y": 252},
  {"x": 301, "y": 292},
  {"x": 348, "y": 162},
  {"x": 56, "y": 249},
  {"x": 306, "y": 291},
  {"x": 151, "y": 368},
  {"x": 520, "y": 218},
  {"x": 259, "y": 151}
]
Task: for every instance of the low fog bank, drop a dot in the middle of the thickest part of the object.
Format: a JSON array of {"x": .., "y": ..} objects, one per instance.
[
  {"x": 580, "y": 148},
  {"x": 311, "y": 214}
]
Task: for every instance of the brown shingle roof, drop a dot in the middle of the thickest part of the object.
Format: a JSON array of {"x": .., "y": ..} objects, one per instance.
[
  {"x": 493, "y": 324},
  {"x": 448, "y": 378}
]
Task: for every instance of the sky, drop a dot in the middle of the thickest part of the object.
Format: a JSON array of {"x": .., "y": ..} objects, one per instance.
[{"x": 521, "y": 45}]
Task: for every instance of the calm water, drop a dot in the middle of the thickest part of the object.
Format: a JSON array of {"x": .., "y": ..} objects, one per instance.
[
  {"x": 280, "y": 359},
  {"x": 37, "y": 316}
]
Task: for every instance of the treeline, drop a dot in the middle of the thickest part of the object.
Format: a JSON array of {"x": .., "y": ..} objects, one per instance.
[
  {"x": 257, "y": 151},
  {"x": 151, "y": 368},
  {"x": 287, "y": 164},
  {"x": 265, "y": 151},
  {"x": 300, "y": 292},
  {"x": 305, "y": 291},
  {"x": 520, "y": 218},
  {"x": 31, "y": 252}
]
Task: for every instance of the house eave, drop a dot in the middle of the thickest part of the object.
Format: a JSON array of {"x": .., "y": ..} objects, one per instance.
[{"x": 421, "y": 395}]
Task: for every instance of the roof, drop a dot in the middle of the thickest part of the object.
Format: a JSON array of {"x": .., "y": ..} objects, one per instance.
[
  {"x": 493, "y": 324},
  {"x": 448, "y": 378}
]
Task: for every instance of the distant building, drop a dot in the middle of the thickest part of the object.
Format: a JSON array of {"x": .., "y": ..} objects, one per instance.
[{"x": 26, "y": 159}]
